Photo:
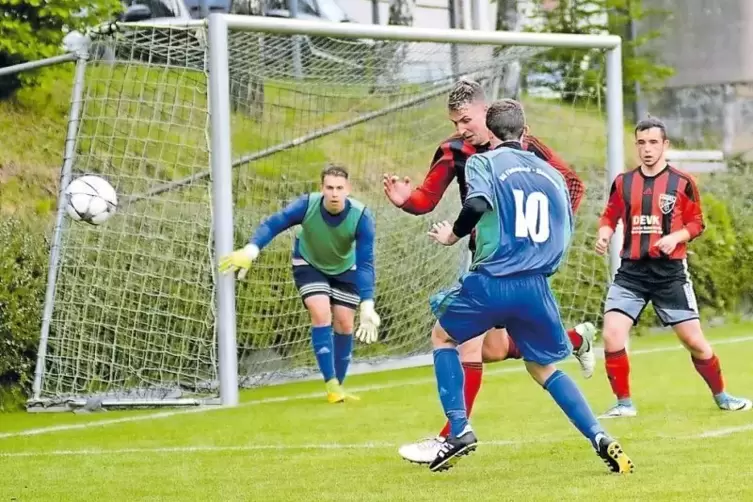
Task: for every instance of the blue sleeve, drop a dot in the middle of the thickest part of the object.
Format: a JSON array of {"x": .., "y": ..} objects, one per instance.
[
  {"x": 290, "y": 215},
  {"x": 365, "y": 233},
  {"x": 478, "y": 176}
]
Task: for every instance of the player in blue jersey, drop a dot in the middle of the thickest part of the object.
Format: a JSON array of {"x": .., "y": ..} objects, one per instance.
[
  {"x": 333, "y": 269},
  {"x": 520, "y": 208}
]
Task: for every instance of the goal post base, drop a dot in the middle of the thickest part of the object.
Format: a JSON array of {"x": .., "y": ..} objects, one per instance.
[{"x": 80, "y": 405}]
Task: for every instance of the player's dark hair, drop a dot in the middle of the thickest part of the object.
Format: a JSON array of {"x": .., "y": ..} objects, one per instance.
[
  {"x": 650, "y": 123},
  {"x": 334, "y": 170},
  {"x": 506, "y": 119},
  {"x": 464, "y": 92}
]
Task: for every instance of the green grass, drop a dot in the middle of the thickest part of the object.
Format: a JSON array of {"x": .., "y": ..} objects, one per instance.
[{"x": 288, "y": 450}]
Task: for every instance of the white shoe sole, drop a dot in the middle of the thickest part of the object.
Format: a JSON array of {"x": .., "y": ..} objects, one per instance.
[{"x": 605, "y": 416}]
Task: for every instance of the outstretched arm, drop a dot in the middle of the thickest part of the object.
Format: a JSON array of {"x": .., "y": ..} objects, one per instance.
[
  {"x": 365, "y": 277},
  {"x": 290, "y": 215},
  {"x": 424, "y": 198},
  {"x": 241, "y": 259}
]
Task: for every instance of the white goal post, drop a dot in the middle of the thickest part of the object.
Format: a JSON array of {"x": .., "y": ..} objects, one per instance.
[{"x": 165, "y": 319}]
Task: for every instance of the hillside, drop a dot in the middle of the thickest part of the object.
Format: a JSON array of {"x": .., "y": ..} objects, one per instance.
[{"x": 35, "y": 131}]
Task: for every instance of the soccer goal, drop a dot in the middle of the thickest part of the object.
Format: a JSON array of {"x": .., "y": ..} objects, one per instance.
[{"x": 205, "y": 128}]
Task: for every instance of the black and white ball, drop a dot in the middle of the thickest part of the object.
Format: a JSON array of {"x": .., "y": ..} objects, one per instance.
[{"x": 90, "y": 199}]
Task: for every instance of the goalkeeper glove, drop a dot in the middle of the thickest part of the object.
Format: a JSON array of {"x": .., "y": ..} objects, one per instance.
[
  {"x": 367, "y": 330},
  {"x": 240, "y": 259}
]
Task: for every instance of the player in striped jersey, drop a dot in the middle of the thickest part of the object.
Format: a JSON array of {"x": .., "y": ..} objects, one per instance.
[
  {"x": 523, "y": 218},
  {"x": 333, "y": 269},
  {"x": 467, "y": 110},
  {"x": 661, "y": 210}
]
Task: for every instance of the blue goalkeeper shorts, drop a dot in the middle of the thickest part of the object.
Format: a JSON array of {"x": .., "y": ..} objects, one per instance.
[
  {"x": 341, "y": 289},
  {"x": 525, "y": 305}
]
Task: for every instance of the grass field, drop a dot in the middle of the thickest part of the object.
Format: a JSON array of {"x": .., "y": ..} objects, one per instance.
[{"x": 286, "y": 443}]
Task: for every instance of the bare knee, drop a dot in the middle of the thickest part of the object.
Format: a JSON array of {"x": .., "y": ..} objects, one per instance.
[
  {"x": 616, "y": 330},
  {"x": 319, "y": 310},
  {"x": 343, "y": 319},
  {"x": 540, "y": 373},
  {"x": 471, "y": 351},
  {"x": 496, "y": 346},
  {"x": 440, "y": 339},
  {"x": 691, "y": 336}
]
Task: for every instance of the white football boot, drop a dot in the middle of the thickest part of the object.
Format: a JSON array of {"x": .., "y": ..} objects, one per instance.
[
  {"x": 585, "y": 354},
  {"x": 422, "y": 452},
  {"x": 731, "y": 403},
  {"x": 620, "y": 410}
]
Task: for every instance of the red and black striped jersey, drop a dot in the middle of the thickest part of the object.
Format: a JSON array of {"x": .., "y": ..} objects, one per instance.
[
  {"x": 449, "y": 163},
  {"x": 651, "y": 207}
]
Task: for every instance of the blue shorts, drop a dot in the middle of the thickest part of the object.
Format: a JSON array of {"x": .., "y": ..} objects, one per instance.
[
  {"x": 524, "y": 305},
  {"x": 341, "y": 289}
]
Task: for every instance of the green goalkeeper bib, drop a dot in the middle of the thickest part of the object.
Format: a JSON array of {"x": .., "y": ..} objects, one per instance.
[{"x": 329, "y": 249}]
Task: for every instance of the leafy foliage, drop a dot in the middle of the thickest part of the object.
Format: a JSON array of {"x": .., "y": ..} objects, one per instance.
[
  {"x": 23, "y": 272},
  {"x": 34, "y": 29},
  {"x": 579, "y": 73}
]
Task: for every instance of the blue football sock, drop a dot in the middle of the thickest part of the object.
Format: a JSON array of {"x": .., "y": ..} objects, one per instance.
[
  {"x": 321, "y": 339},
  {"x": 449, "y": 374},
  {"x": 343, "y": 349},
  {"x": 567, "y": 395}
]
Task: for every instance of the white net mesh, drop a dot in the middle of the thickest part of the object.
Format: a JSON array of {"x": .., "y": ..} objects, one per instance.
[{"x": 133, "y": 312}]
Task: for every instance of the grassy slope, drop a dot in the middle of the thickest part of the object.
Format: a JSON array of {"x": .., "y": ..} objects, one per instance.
[
  {"x": 288, "y": 449},
  {"x": 35, "y": 131}
]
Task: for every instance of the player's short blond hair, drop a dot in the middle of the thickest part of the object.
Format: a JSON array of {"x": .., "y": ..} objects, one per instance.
[{"x": 464, "y": 92}]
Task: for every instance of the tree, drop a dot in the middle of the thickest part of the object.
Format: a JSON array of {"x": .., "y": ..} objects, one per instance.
[
  {"x": 580, "y": 73},
  {"x": 34, "y": 29}
]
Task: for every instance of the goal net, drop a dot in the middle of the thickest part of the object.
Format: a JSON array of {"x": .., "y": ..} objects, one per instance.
[{"x": 133, "y": 312}]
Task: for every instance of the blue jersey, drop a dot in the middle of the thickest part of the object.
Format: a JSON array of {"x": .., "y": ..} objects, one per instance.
[{"x": 528, "y": 229}]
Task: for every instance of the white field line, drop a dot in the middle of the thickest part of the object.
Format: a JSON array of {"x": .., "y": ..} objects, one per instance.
[
  {"x": 332, "y": 446},
  {"x": 311, "y": 395},
  {"x": 727, "y": 431},
  {"x": 249, "y": 448}
]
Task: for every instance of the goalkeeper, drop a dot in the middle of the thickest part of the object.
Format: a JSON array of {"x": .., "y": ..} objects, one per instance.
[{"x": 333, "y": 269}]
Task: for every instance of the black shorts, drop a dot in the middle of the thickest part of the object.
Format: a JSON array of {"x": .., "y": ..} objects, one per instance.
[
  {"x": 341, "y": 289},
  {"x": 664, "y": 283}
]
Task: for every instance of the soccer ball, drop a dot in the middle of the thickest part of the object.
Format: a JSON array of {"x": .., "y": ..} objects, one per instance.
[{"x": 90, "y": 199}]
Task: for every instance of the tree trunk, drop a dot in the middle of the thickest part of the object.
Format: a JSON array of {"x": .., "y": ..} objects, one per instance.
[
  {"x": 390, "y": 55},
  {"x": 401, "y": 12},
  {"x": 507, "y": 20},
  {"x": 507, "y": 15}
]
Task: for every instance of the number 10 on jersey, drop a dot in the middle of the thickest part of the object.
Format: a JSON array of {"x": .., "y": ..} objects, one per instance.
[{"x": 531, "y": 216}]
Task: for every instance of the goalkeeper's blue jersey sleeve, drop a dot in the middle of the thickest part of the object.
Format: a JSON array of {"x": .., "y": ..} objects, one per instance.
[
  {"x": 527, "y": 230},
  {"x": 365, "y": 234},
  {"x": 289, "y": 216}
]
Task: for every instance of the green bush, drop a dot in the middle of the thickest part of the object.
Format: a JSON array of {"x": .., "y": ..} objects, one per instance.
[
  {"x": 23, "y": 270},
  {"x": 34, "y": 29},
  {"x": 712, "y": 260}
]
